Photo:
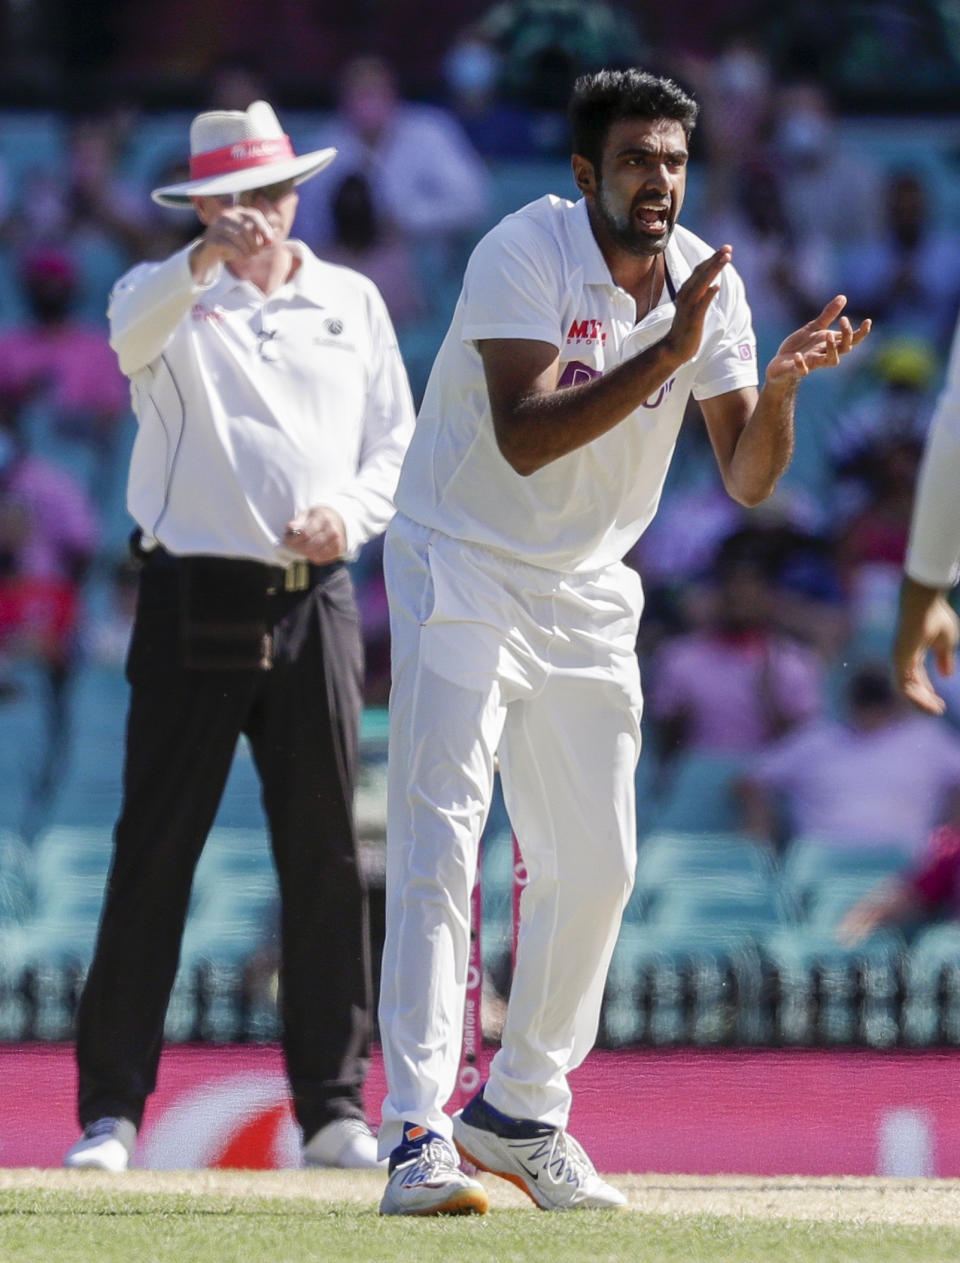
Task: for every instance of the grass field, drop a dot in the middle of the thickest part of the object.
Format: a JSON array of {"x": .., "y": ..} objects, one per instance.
[{"x": 331, "y": 1217}]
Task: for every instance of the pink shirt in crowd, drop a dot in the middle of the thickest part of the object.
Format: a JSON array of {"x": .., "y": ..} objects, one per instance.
[
  {"x": 936, "y": 878},
  {"x": 885, "y": 787},
  {"x": 73, "y": 362},
  {"x": 62, "y": 519},
  {"x": 730, "y": 687}
]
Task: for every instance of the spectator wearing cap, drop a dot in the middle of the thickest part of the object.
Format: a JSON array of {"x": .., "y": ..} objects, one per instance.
[{"x": 273, "y": 413}]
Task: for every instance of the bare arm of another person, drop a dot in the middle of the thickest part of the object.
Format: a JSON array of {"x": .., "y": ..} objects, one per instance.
[
  {"x": 891, "y": 903},
  {"x": 925, "y": 622}
]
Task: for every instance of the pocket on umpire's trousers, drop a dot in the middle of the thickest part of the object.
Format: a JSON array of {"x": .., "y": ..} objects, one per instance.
[{"x": 224, "y": 615}]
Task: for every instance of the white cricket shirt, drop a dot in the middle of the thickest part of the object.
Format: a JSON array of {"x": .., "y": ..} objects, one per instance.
[
  {"x": 252, "y": 409},
  {"x": 539, "y": 274},
  {"x": 933, "y": 553}
]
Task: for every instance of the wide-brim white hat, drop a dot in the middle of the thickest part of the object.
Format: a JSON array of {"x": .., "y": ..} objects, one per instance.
[{"x": 232, "y": 151}]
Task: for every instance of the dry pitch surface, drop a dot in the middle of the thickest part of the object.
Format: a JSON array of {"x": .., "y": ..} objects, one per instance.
[{"x": 853, "y": 1200}]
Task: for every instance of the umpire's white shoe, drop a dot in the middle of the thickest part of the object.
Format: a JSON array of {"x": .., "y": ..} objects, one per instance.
[
  {"x": 547, "y": 1163},
  {"x": 425, "y": 1179},
  {"x": 106, "y": 1145},
  {"x": 347, "y": 1143}
]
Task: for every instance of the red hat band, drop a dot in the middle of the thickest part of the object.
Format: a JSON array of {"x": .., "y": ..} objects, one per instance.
[{"x": 240, "y": 156}]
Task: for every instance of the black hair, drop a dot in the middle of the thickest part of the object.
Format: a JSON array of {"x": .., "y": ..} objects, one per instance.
[
  {"x": 870, "y": 685},
  {"x": 602, "y": 99}
]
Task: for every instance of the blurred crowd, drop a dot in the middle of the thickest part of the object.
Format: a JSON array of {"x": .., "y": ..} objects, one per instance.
[{"x": 766, "y": 630}]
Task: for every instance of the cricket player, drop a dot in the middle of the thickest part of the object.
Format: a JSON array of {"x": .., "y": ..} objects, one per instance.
[
  {"x": 539, "y": 456},
  {"x": 932, "y": 564}
]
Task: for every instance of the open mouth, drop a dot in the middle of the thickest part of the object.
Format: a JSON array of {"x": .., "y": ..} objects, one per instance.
[{"x": 652, "y": 216}]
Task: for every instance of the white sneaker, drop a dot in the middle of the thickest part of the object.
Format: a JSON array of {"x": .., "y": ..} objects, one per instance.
[
  {"x": 425, "y": 1179},
  {"x": 346, "y": 1142},
  {"x": 546, "y": 1162},
  {"x": 106, "y": 1145}
]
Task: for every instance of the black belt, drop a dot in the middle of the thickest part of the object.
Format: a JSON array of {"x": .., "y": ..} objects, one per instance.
[{"x": 298, "y": 576}]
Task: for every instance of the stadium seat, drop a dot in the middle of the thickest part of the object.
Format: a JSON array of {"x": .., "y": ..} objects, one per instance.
[
  {"x": 32, "y": 141},
  {"x": 698, "y": 796},
  {"x": 666, "y": 982},
  {"x": 717, "y": 903},
  {"x": 16, "y": 879},
  {"x": 665, "y": 858},
  {"x": 231, "y": 852},
  {"x": 809, "y": 956},
  {"x": 931, "y": 976},
  {"x": 68, "y": 851},
  {"x": 811, "y": 863}
]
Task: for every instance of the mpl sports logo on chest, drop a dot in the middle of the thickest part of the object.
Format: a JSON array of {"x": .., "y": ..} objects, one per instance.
[
  {"x": 200, "y": 313},
  {"x": 586, "y": 332}
]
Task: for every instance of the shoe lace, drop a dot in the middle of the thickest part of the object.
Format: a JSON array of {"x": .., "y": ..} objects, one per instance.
[
  {"x": 438, "y": 1154},
  {"x": 568, "y": 1159}
]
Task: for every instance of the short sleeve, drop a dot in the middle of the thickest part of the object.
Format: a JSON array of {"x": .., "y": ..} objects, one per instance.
[
  {"x": 730, "y": 359},
  {"x": 512, "y": 286}
]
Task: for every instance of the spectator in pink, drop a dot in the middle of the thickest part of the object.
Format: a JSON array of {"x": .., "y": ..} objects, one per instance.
[
  {"x": 48, "y": 536},
  {"x": 928, "y": 888},
  {"x": 736, "y": 683},
  {"x": 882, "y": 777},
  {"x": 62, "y": 364}
]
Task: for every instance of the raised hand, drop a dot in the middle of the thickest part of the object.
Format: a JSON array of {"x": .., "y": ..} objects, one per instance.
[
  {"x": 816, "y": 344},
  {"x": 237, "y": 233}
]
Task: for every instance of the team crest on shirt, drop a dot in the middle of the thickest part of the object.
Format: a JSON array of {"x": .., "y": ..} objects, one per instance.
[
  {"x": 586, "y": 332},
  {"x": 334, "y": 326},
  {"x": 199, "y": 312}
]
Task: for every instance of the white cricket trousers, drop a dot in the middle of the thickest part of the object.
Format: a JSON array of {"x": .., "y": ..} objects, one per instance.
[{"x": 491, "y": 655}]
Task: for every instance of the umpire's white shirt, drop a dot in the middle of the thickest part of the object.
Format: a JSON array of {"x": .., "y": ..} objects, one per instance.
[
  {"x": 252, "y": 409},
  {"x": 540, "y": 275}
]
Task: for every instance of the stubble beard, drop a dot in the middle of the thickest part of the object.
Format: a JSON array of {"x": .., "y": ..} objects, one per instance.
[{"x": 624, "y": 233}]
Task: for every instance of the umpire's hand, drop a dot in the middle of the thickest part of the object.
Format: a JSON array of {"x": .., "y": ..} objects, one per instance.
[{"x": 319, "y": 535}]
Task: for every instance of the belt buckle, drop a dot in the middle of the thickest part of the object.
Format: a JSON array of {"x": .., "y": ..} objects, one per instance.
[{"x": 296, "y": 577}]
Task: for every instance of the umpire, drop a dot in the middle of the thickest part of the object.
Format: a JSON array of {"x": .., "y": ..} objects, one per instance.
[{"x": 273, "y": 413}]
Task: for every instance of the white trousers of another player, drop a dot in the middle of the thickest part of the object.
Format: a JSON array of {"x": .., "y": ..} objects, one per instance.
[{"x": 491, "y": 655}]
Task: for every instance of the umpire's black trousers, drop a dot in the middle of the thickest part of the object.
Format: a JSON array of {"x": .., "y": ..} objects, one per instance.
[{"x": 302, "y": 719}]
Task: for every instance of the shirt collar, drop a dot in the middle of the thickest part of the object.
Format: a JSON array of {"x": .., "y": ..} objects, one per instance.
[
  {"x": 594, "y": 265},
  {"x": 306, "y": 282}
]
